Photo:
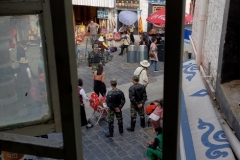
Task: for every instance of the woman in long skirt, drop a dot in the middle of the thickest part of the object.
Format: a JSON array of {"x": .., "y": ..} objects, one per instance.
[{"x": 82, "y": 95}]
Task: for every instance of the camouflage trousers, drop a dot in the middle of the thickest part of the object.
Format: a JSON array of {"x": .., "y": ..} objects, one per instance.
[
  {"x": 110, "y": 116},
  {"x": 134, "y": 110},
  {"x": 94, "y": 67}
]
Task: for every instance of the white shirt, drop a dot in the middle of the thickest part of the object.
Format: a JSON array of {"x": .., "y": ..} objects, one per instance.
[
  {"x": 143, "y": 78},
  {"x": 29, "y": 72},
  {"x": 82, "y": 92}
]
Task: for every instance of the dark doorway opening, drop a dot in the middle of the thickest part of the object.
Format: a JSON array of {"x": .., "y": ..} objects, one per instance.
[{"x": 228, "y": 83}]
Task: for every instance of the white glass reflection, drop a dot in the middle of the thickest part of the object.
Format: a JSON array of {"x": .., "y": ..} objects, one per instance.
[{"x": 23, "y": 93}]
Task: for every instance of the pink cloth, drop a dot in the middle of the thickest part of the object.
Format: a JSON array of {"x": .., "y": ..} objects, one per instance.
[
  {"x": 154, "y": 48},
  {"x": 159, "y": 112}
]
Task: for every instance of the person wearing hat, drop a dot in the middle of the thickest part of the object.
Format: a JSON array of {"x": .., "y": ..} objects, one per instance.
[
  {"x": 141, "y": 72},
  {"x": 137, "y": 96},
  {"x": 101, "y": 44},
  {"x": 115, "y": 101},
  {"x": 95, "y": 58}
]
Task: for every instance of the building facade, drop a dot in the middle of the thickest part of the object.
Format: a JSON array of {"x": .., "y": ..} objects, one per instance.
[{"x": 215, "y": 43}]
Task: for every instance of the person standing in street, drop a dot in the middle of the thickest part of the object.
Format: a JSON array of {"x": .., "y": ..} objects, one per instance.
[
  {"x": 82, "y": 95},
  {"x": 137, "y": 96},
  {"x": 99, "y": 86},
  {"x": 93, "y": 27},
  {"x": 95, "y": 58},
  {"x": 153, "y": 55},
  {"x": 115, "y": 101},
  {"x": 126, "y": 42},
  {"x": 141, "y": 72}
]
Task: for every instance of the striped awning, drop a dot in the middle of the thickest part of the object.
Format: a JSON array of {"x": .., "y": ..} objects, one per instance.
[{"x": 94, "y": 3}]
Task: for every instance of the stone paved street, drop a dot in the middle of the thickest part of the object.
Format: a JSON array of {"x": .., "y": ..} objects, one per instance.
[{"x": 128, "y": 146}]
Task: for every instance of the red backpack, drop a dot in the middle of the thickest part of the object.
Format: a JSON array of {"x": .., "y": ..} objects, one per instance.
[{"x": 149, "y": 109}]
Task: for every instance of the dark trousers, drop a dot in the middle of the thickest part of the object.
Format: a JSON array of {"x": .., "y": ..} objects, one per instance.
[
  {"x": 122, "y": 48},
  {"x": 100, "y": 92},
  {"x": 83, "y": 116},
  {"x": 132, "y": 37}
]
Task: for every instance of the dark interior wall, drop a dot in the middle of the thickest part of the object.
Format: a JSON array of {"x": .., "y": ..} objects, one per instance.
[
  {"x": 83, "y": 14},
  {"x": 231, "y": 53}
]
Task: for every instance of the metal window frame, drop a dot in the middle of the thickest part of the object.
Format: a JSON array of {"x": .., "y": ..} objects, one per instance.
[
  {"x": 175, "y": 14},
  {"x": 43, "y": 10},
  {"x": 58, "y": 36}
]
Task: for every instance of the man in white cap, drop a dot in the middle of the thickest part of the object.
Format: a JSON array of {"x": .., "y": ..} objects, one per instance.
[
  {"x": 102, "y": 44},
  {"x": 141, "y": 72}
]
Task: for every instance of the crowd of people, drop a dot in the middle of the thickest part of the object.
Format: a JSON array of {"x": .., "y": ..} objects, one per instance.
[{"x": 115, "y": 98}]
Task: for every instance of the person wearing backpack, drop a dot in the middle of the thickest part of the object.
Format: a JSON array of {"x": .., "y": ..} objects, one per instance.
[
  {"x": 115, "y": 101},
  {"x": 137, "y": 96},
  {"x": 141, "y": 72}
]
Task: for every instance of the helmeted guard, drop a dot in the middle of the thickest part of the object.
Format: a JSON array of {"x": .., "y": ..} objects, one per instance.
[
  {"x": 137, "y": 96},
  {"x": 94, "y": 58},
  {"x": 115, "y": 101}
]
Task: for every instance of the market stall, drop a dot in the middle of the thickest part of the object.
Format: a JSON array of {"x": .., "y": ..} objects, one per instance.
[{"x": 80, "y": 32}]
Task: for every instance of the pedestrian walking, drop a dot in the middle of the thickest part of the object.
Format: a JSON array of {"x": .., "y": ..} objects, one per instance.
[
  {"x": 153, "y": 57},
  {"x": 137, "y": 96},
  {"x": 82, "y": 95},
  {"x": 99, "y": 86},
  {"x": 95, "y": 58},
  {"x": 93, "y": 27},
  {"x": 142, "y": 73},
  {"x": 126, "y": 42},
  {"x": 115, "y": 101}
]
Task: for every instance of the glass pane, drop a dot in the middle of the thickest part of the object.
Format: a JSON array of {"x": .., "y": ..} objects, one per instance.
[{"x": 23, "y": 92}]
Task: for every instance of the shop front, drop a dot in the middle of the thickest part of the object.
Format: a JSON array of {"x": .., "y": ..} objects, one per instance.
[{"x": 100, "y": 11}]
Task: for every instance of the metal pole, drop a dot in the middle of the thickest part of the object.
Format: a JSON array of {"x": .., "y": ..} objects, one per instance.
[
  {"x": 175, "y": 13},
  {"x": 67, "y": 78}
]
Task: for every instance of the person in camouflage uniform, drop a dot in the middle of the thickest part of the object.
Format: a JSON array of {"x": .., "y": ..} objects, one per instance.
[
  {"x": 94, "y": 58},
  {"x": 115, "y": 101},
  {"x": 137, "y": 96}
]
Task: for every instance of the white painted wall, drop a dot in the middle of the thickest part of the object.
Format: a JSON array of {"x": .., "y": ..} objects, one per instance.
[
  {"x": 187, "y": 9},
  {"x": 212, "y": 34}
]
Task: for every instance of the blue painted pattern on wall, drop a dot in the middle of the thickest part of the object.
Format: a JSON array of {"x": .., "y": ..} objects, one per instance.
[
  {"x": 213, "y": 151},
  {"x": 191, "y": 70},
  {"x": 200, "y": 93}
]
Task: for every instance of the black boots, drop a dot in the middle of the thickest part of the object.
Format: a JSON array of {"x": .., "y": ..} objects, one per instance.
[
  {"x": 110, "y": 127},
  {"x": 131, "y": 129},
  {"x": 142, "y": 122},
  {"x": 120, "y": 127}
]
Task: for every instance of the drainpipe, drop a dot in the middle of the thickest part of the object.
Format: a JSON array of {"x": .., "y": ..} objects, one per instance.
[
  {"x": 232, "y": 139},
  {"x": 201, "y": 28}
]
